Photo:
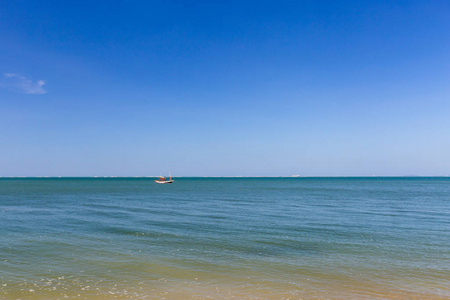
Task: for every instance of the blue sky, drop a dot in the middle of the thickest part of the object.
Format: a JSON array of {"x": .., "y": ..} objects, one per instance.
[{"x": 224, "y": 88}]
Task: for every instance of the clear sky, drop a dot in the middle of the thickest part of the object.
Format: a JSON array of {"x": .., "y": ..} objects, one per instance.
[{"x": 224, "y": 88}]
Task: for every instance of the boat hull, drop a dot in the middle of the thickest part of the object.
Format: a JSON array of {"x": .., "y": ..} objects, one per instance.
[{"x": 163, "y": 182}]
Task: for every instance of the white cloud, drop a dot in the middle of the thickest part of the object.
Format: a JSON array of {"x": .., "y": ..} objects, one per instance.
[{"x": 22, "y": 84}]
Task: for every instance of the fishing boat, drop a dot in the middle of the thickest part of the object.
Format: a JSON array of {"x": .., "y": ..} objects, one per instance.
[{"x": 163, "y": 179}]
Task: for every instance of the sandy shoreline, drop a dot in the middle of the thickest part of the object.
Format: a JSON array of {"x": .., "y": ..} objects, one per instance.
[{"x": 162, "y": 289}]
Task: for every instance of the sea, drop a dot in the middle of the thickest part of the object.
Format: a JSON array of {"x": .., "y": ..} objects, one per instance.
[{"x": 225, "y": 238}]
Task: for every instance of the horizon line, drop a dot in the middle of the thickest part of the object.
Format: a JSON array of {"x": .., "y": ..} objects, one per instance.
[{"x": 277, "y": 176}]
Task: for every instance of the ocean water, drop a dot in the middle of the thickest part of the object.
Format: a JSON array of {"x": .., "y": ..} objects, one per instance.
[{"x": 225, "y": 238}]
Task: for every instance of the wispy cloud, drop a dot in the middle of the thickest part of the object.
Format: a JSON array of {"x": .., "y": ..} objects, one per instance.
[{"x": 21, "y": 84}]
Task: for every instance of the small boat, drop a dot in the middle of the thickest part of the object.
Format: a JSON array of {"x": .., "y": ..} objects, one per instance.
[{"x": 163, "y": 179}]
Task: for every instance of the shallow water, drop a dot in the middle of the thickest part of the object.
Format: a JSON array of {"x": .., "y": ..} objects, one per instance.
[{"x": 222, "y": 238}]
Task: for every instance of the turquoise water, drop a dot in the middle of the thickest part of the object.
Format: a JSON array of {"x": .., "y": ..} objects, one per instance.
[{"x": 223, "y": 238}]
